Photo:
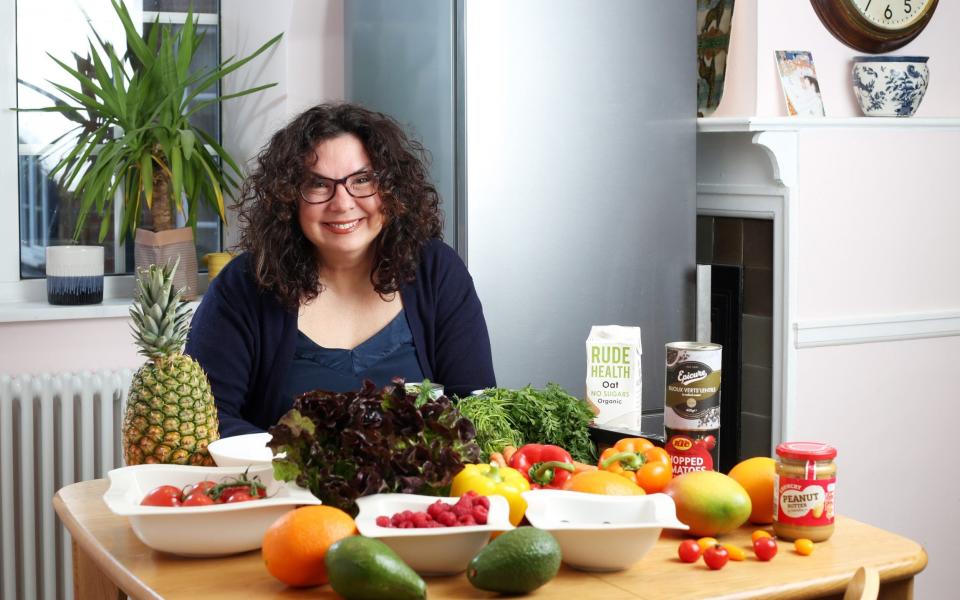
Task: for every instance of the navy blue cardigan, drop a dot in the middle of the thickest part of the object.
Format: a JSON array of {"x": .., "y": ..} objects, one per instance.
[{"x": 244, "y": 339}]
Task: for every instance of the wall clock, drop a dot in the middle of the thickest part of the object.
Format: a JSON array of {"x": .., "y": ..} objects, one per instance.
[{"x": 875, "y": 26}]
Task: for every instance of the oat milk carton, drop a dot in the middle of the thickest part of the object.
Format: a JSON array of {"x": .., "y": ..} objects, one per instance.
[{"x": 614, "y": 382}]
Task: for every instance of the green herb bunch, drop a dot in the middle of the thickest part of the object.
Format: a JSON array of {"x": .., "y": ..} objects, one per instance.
[{"x": 505, "y": 417}]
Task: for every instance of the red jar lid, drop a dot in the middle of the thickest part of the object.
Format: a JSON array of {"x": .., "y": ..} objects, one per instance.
[{"x": 806, "y": 450}]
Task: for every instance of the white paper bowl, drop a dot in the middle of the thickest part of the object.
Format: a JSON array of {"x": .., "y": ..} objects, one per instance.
[
  {"x": 242, "y": 450},
  {"x": 602, "y": 533},
  {"x": 435, "y": 551},
  {"x": 214, "y": 530}
]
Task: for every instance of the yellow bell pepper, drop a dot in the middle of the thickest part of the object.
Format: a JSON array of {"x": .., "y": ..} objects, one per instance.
[{"x": 491, "y": 480}]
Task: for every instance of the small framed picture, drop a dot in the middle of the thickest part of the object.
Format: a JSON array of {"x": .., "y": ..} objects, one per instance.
[{"x": 798, "y": 78}]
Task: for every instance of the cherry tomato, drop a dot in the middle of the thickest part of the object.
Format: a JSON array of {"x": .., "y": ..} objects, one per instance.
[
  {"x": 736, "y": 552},
  {"x": 689, "y": 551},
  {"x": 202, "y": 486},
  {"x": 706, "y": 542},
  {"x": 654, "y": 476},
  {"x": 710, "y": 441},
  {"x": 240, "y": 496},
  {"x": 765, "y": 548},
  {"x": 759, "y": 534},
  {"x": 198, "y": 498},
  {"x": 803, "y": 546},
  {"x": 165, "y": 495},
  {"x": 716, "y": 556}
]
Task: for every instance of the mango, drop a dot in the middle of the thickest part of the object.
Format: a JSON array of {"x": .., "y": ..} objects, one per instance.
[{"x": 710, "y": 503}]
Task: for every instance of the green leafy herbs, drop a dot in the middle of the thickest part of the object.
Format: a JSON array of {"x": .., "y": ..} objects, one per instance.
[
  {"x": 505, "y": 417},
  {"x": 343, "y": 446}
]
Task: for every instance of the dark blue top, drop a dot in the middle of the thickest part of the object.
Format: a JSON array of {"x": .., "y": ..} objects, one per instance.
[
  {"x": 387, "y": 354},
  {"x": 244, "y": 339}
]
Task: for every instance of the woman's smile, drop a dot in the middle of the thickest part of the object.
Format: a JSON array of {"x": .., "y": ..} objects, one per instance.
[{"x": 343, "y": 227}]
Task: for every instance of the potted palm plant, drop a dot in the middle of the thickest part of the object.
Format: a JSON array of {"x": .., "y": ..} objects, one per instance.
[{"x": 135, "y": 140}]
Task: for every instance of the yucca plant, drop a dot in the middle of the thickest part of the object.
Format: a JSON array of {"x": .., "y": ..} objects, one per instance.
[{"x": 142, "y": 142}]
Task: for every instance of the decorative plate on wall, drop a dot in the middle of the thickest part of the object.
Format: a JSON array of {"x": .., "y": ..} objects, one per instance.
[{"x": 875, "y": 26}]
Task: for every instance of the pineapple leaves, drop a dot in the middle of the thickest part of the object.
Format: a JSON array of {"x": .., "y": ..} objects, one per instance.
[
  {"x": 161, "y": 319},
  {"x": 134, "y": 129}
]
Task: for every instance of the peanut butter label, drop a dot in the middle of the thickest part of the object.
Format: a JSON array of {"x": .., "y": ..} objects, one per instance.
[{"x": 804, "y": 501}]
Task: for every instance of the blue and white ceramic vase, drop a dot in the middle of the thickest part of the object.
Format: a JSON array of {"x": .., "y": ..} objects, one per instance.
[
  {"x": 74, "y": 275},
  {"x": 890, "y": 86}
]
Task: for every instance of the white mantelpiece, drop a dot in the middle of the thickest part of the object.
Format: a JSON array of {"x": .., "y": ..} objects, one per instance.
[{"x": 751, "y": 168}]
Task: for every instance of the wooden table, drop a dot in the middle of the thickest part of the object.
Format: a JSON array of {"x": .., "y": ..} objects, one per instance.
[{"x": 108, "y": 558}]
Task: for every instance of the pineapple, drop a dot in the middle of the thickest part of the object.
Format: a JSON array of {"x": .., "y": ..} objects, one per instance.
[{"x": 170, "y": 416}]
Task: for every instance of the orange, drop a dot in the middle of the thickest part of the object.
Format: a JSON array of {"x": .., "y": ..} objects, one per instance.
[
  {"x": 295, "y": 545},
  {"x": 603, "y": 482},
  {"x": 756, "y": 476}
]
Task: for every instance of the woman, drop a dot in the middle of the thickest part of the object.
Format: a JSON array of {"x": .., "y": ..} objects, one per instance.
[{"x": 343, "y": 275}]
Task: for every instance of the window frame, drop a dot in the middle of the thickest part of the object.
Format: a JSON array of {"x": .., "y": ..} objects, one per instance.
[{"x": 30, "y": 292}]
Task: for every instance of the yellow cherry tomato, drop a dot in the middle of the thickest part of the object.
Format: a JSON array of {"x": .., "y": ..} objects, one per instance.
[
  {"x": 803, "y": 546},
  {"x": 735, "y": 552},
  {"x": 706, "y": 542},
  {"x": 759, "y": 534}
]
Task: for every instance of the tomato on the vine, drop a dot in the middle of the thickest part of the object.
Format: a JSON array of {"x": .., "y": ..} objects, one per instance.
[
  {"x": 201, "y": 486},
  {"x": 716, "y": 557},
  {"x": 164, "y": 495},
  {"x": 689, "y": 551},
  {"x": 240, "y": 496},
  {"x": 198, "y": 498},
  {"x": 765, "y": 548}
]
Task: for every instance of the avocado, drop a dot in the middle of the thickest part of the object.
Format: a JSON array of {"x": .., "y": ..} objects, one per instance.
[
  {"x": 362, "y": 568},
  {"x": 517, "y": 562}
]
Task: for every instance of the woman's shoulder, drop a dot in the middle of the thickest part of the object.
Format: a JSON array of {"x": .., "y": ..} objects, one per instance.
[{"x": 437, "y": 254}]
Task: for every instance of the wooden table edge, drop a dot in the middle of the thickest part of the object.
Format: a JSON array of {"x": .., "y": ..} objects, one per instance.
[{"x": 100, "y": 556}]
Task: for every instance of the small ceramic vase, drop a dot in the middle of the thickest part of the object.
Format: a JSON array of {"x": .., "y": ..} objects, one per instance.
[
  {"x": 74, "y": 275},
  {"x": 890, "y": 86}
]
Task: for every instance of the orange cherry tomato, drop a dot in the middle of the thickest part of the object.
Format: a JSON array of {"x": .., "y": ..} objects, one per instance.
[{"x": 759, "y": 534}]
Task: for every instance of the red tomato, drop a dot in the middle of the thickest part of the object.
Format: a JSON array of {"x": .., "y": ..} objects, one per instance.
[
  {"x": 241, "y": 495},
  {"x": 202, "y": 486},
  {"x": 716, "y": 556},
  {"x": 198, "y": 498},
  {"x": 689, "y": 551},
  {"x": 765, "y": 548},
  {"x": 165, "y": 495}
]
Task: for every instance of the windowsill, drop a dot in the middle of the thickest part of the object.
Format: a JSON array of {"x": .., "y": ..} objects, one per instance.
[{"x": 25, "y": 301}]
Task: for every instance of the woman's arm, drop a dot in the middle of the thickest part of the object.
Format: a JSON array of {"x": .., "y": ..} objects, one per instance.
[
  {"x": 222, "y": 339},
  {"x": 463, "y": 361}
]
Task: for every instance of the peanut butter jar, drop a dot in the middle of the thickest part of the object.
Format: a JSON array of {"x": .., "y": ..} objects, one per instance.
[{"x": 804, "y": 491}]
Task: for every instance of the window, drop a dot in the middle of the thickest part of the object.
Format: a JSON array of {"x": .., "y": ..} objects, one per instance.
[{"x": 47, "y": 213}]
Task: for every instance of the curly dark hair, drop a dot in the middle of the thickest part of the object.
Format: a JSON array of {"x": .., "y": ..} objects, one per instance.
[{"x": 284, "y": 260}]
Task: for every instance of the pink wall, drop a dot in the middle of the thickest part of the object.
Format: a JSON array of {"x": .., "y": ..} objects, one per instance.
[
  {"x": 76, "y": 345},
  {"x": 760, "y": 27},
  {"x": 879, "y": 211},
  {"x": 887, "y": 407}
]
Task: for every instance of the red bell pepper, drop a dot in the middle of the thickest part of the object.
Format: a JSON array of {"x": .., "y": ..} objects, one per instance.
[{"x": 544, "y": 465}]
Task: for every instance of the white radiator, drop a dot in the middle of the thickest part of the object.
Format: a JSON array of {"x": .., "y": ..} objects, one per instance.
[{"x": 54, "y": 430}]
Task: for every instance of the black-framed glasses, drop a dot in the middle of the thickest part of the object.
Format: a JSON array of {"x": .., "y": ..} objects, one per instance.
[{"x": 317, "y": 190}]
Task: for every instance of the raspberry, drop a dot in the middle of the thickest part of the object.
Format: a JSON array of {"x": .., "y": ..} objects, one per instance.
[
  {"x": 421, "y": 519},
  {"x": 436, "y": 508},
  {"x": 447, "y": 519},
  {"x": 397, "y": 519},
  {"x": 482, "y": 501},
  {"x": 383, "y": 521},
  {"x": 462, "y": 509},
  {"x": 407, "y": 525},
  {"x": 466, "y": 520},
  {"x": 480, "y": 515}
]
